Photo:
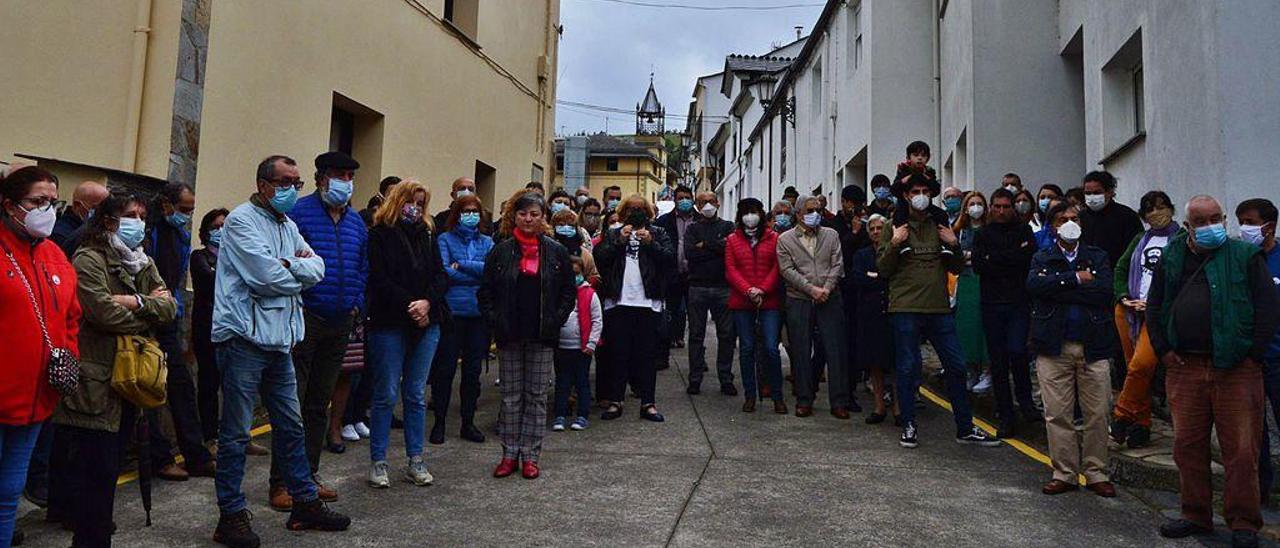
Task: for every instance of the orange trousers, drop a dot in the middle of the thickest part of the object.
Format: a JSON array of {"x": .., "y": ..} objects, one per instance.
[{"x": 1134, "y": 403}]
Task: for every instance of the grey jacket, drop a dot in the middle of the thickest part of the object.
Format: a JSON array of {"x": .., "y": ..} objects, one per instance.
[{"x": 802, "y": 270}]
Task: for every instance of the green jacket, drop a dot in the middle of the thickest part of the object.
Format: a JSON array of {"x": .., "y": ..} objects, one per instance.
[
  {"x": 1231, "y": 317},
  {"x": 1120, "y": 280},
  {"x": 918, "y": 278},
  {"x": 95, "y": 405}
]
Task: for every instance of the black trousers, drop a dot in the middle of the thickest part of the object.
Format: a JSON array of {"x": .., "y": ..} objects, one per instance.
[
  {"x": 467, "y": 338},
  {"x": 183, "y": 408},
  {"x": 85, "y": 473},
  {"x": 209, "y": 381},
  {"x": 632, "y": 335},
  {"x": 317, "y": 363}
]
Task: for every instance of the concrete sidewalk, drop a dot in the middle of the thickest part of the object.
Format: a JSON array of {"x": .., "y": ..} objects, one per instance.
[{"x": 709, "y": 476}]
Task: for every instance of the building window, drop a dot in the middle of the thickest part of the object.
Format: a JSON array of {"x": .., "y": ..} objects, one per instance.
[
  {"x": 782, "y": 164},
  {"x": 356, "y": 130},
  {"x": 1139, "y": 117},
  {"x": 854, "y": 52},
  {"x": 463, "y": 15},
  {"x": 611, "y": 164},
  {"x": 560, "y": 164},
  {"x": 815, "y": 86},
  {"x": 536, "y": 174},
  {"x": 1123, "y": 98},
  {"x": 486, "y": 179}
]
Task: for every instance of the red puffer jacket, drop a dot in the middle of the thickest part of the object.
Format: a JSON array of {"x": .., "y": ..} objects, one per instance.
[
  {"x": 25, "y": 394},
  {"x": 746, "y": 267}
]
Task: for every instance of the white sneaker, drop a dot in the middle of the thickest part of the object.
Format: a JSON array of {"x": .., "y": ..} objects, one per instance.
[
  {"x": 417, "y": 472},
  {"x": 349, "y": 433},
  {"x": 362, "y": 430},
  {"x": 984, "y": 384},
  {"x": 378, "y": 475}
]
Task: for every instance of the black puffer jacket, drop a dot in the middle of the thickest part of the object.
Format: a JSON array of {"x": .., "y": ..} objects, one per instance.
[
  {"x": 657, "y": 262},
  {"x": 404, "y": 266},
  {"x": 1002, "y": 257},
  {"x": 498, "y": 292}
]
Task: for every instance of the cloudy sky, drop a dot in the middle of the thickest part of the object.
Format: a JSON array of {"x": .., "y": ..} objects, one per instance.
[{"x": 609, "y": 47}]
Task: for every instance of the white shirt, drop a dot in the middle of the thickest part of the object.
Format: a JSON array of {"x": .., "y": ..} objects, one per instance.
[
  {"x": 1150, "y": 261},
  {"x": 633, "y": 282}
]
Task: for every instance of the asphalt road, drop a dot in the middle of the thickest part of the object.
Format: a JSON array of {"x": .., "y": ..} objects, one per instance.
[{"x": 710, "y": 476}]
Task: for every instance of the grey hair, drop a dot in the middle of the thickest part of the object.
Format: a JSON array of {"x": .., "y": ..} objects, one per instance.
[
  {"x": 804, "y": 202},
  {"x": 267, "y": 167},
  {"x": 783, "y": 203},
  {"x": 1204, "y": 198},
  {"x": 877, "y": 217}
]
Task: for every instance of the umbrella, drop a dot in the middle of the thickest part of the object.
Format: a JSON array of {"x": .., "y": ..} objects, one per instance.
[{"x": 143, "y": 433}]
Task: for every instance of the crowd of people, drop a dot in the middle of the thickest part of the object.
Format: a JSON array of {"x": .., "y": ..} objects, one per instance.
[{"x": 330, "y": 318}]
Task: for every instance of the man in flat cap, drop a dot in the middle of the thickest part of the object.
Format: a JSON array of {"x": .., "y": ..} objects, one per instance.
[{"x": 337, "y": 234}]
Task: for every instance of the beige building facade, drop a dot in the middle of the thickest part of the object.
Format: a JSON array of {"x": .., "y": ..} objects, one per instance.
[{"x": 140, "y": 91}]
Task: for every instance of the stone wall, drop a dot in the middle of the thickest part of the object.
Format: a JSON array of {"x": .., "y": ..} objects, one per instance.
[{"x": 188, "y": 96}]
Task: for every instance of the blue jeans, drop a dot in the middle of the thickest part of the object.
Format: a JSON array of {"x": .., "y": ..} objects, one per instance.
[
  {"x": 940, "y": 330},
  {"x": 16, "y": 443},
  {"x": 248, "y": 371},
  {"x": 400, "y": 361},
  {"x": 770, "y": 327},
  {"x": 1271, "y": 389},
  {"x": 573, "y": 371},
  {"x": 1006, "y": 326}
]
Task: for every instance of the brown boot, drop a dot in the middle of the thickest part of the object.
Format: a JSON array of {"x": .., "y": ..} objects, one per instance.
[
  {"x": 256, "y": 449},
  {"x": 172, "y": 472},
  {"x": 325, "y": 493},
  {"x": 749, "y": 406},
  {"x": 780, "y": 407},
  {"x": 280, "y": 499}
]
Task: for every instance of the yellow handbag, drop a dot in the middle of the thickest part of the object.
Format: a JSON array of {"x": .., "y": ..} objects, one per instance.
[{"x": 140, "y": 373}]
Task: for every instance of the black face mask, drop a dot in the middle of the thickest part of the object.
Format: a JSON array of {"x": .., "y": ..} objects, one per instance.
[{"x": 637, "y": 219}]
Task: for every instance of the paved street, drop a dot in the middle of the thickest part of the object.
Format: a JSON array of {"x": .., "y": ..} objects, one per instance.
[{"x": 709, "y": 476}]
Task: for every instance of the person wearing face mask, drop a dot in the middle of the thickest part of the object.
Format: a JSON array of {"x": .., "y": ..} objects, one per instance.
[
  {"x": 1001, "y": 257},
  {"x": 40, "y": 290},
  {"x": 1214, "y": 364},
  {"x": 1012, "y": 183},
  {"x": 1024, "y": 206},
  {"x": 755, "y": 297},
  {"x": 883, "y": 201},
  {"x": 709, "y": 294},
  {"x": 612, "y": 198},
  {"x": 465, "y": 186},
  {"x": 589, "y": 218},
  {"x": 1132, "y": 283},
  {"x": 407, "y": 308},
  {"x": 264, "y": 264},
  {"x": 919, "y": 309},
  {"x": 566, "y": 231},
  {"x": 84, "y": 199},
  {"x": 580, "y": 197},
  {"x": 968, "y": 293},
  {"x": 811, "y": 263},
  {"x": 782, "y": 216},
  {"x": 635, "y": 262},
  {"x": 1257, "y": 218},
  {"x": 875, "y": 337},
  {"x": 560, "y": 201},
  {"x": 123, "y": 293},
  {"x": 1107, "y": 223},
  {"x": 1044, "y": 200},
  {"x": 371, "y": 207},
  {"x": 1073, "y": 338},
  {"x": 168, "y": 243},
  {"x": 676, "y": 224},
  {"x": 953, "y": 201},
  {"x": 463, "y": 250},
  {"x": 527, "y": 293},
  {"x": 338, "y": 235}
]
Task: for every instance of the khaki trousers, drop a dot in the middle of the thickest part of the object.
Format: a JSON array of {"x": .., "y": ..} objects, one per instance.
[{"x": 1061, "y": 377}]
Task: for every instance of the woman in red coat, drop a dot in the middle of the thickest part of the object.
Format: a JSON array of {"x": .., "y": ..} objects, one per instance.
[
  {"x": 755, "y": 295},
  {"x": 37, "y": 287}
]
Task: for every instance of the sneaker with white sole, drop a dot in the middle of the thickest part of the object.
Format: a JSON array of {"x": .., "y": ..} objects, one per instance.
[
  {"x": 349, "y": 433},
  {"x": 378, "y": 475},
  {"x": 417, "y": 473},
  {"x": 557, "y": 425},
  {"x": 908, "y": 439},
  {"x": 580, "y": 423},
  {"x": 984, "y": 383},
  {"x": 362, "y": 430},
  {"x": 977, "y": 437}
]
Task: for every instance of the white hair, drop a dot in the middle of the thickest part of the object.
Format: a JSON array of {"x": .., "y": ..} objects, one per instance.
[
  {"x": 877, "y": 217},
  {"x": 1203, "y": 198}
]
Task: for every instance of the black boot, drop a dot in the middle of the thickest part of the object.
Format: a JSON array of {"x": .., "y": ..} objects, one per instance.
[
  {"x": 470, "y": 433},
  {"x": 235, "y": 531},
  {"x": 1008, "y": 428},
  {"x": 437, "y": 432},
  {"x": 316, "y": 515}
]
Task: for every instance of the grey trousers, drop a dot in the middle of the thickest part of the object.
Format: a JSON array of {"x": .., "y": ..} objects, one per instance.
[
  {"x": 713, "y": 301},
  {"x": 526, "y": 370},
  {"x": 829, "y": 318}
]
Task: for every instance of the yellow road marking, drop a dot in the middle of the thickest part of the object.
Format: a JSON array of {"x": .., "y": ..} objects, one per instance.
[
  {"x": 132, "y": 476},
  {"x": 1023, "y": 448}
]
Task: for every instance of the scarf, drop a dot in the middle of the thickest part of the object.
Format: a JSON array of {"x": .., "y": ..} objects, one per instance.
[
  {"x": 585, "y": 293},
  {"x": 1135, "y": 273},
  {"x": 134, "y": 260},
  {"x": 528, "y": 252}
]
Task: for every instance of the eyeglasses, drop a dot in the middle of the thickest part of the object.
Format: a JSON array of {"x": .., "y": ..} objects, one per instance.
[
  {"x": 41, "y": 203},
  {"x": 286, "y": 183}
]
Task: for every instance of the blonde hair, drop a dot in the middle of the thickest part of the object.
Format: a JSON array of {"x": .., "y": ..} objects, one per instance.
[
  {"x": 388, "y": 213},
  {"x": 634, "y": 201},
  {"x": 588, "y": 264},
  {"x": 566, "y": 217},
  {"x": 964, "y": 220}
]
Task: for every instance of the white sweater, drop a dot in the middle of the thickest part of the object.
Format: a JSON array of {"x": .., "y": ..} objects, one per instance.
[{"x": 571, "y": 337}]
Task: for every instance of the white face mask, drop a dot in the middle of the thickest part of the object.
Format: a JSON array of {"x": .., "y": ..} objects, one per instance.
[
  {"x": 1069, "y": 232},
  {"x": 811, "y": 220},
  {"x": 1095, "y": 201},
  {"x": 709, "y": 210},
  {"x": 1012, "y": 189},
  {"x": 751, "y": 220},
  {"x": 920, "y": 202},
  {"x": 1252, "y": 234},
  {"x": 39, "y": 222},
  {"x": 976, "y": 211}
]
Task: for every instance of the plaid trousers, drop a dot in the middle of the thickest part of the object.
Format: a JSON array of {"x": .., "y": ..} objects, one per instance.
[{"x": 527, "y": 370}]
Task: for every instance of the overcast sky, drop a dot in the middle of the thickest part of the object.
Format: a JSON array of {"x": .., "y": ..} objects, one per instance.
[{"x": 608, "y": 50}]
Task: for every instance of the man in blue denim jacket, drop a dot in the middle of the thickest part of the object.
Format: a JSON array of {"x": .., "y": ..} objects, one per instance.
[{"x": 257, "y": 319}]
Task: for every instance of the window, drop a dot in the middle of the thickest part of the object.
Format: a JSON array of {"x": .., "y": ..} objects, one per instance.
[
  {"x": 559, "y": 164},
  {"x": 1139, "y": 118},
  {"x": 854, "y": 53},
  {"x": 611, "y": 164},
  {"x": 463, "y": 15},
  {"x": 1123, "y": 98},
  {"x": 356, "y": 129},
  {"x": 815, "y": 86},
  {"x": 782, "y": 164},
  {"x": 536, "y": 174},
  {"x": 486, "y": 178}
]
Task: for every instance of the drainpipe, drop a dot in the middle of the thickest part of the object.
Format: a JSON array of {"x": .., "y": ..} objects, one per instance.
[
  {"x": 937, "y": 77},
  {"x": 137, "y": 80}
]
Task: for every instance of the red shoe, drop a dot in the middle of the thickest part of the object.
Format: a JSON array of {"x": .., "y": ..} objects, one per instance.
[
  {"x": 530, "y": 470},
  {"x": 505, "y": 468}
]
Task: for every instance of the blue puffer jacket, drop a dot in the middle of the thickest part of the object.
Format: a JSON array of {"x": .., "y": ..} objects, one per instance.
[
  {"x": 344, "y": 248},
  {"x": 467, "y": 247}
]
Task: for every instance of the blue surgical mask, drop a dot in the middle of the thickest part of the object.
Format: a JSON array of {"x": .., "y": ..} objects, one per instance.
[
  {"x": 782, "y": 221},
  {"x": 215, "y": 237},
  {"x": 953, "y": 205},
  {"x": 1044, "y": 205},
  {"x": 1211, "y": 236},
  {"x": 284, "y": 199},
  {"x": 568, "y": 231},
  {"x": 178, "y": 219},
  {"x": 881, "y": 192},
  {"x": 684, "y": 205},
  {"x": 811, "y": 220},
  {"x": 470, "y": 219},
  {"x": 131, "y": 231},
  {"x": 613, "y": 204},
  {"x": 557, "y": 207},
  {"x": 462, "y": 193},
  {"x": 578, "y": 279},
  {"x": 339, "y": 192}
]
